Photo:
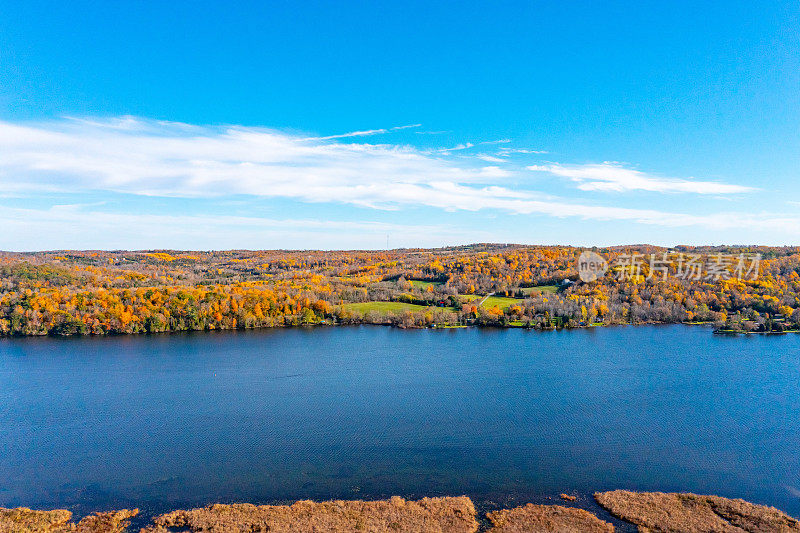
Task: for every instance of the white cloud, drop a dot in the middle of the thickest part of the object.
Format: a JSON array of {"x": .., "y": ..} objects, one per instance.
[
  {"x": 151, "y": 158},
  {"x": 456, "y": 148},
  {"x": 499, "y": 141},
  {"x": 506, "y": 151},
  {"x": 364, "y": 133},
  {"x": 142, "y": 157},
  {"x": 491, "y": 158},
  {"x": 614, "y": 177}
]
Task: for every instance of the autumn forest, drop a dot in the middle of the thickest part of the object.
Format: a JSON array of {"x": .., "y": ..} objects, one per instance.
[{"x": 120, "y": 292}]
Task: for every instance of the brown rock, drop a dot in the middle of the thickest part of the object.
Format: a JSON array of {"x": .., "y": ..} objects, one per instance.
[
  {"x": 547, "y": 518},
  {"x": 568, "y": 497},
  {"x": 659, "y": 512},
  {"x": 110, "y": 522},
  {"x": 24, "y": 520},
  {"x": 428, "y": 515}
]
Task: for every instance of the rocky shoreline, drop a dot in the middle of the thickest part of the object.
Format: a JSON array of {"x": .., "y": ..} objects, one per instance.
[{"x": 648, "y": 511}]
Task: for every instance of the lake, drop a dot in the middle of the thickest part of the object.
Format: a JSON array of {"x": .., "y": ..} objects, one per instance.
[{"x": 504, "y": 416}]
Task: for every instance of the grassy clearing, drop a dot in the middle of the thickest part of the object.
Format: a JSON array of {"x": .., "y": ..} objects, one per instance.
[
  {"x": 383, "y": 307},
  {"x": 500, "y": 301},
  {"x": 544, "y": 289},
  {"x": 420, "y": 284}
]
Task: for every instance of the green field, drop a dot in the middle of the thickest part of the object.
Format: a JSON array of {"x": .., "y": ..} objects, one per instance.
[
  {"x": 545, "y": 289},
  {"x": 382, "y": 307},
  {"x": 500, "y": 301},
  {"x": 420, "y": 284}
]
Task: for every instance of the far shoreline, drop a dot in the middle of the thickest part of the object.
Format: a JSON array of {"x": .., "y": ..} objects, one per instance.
[{"x": 145, "y": 334}]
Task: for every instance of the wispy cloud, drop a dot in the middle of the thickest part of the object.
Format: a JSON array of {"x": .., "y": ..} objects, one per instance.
[
  {"x": 456, "y": 148},
  {"x": 406, "y": 126},
  {"x": 153, "y": 158},
  {"x": 610, "y": 176},
  {"x": 364, "y": 133},
  {"x": 505, "y": 150},
  {"x": 491, "y": 158},
  {"x": 150, "y": 158}
]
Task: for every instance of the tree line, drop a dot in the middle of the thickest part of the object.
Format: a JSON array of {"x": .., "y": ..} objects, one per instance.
[{"x": 114, "y": 292}]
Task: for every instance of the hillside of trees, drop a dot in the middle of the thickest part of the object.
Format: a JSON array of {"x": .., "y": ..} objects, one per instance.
[{"x": 114, "y": 292}]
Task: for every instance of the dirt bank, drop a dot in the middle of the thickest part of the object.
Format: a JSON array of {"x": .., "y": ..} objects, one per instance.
[
  {"x": 667, "y": 512},
  {"x": 434, "y": 515},
  {"x": 652, "y": 512},
  {"x": 24, "y": 520},
  {"x": 546, "y": 518}
]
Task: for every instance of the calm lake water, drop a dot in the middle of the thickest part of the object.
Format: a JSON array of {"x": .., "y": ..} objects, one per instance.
[{"x": 505, "y": 416}]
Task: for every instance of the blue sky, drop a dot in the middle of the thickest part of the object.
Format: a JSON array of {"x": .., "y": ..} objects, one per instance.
[{"x": 211, "y": 125}]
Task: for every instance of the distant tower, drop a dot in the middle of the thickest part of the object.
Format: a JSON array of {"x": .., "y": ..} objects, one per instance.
[{"x": 387, "y": 241}]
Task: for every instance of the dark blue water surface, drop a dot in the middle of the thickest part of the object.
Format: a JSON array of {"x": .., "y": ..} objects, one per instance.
[{"x": 180, "y": 420}]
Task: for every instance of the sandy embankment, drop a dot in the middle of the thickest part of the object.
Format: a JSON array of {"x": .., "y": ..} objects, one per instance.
[
  {"x": 434, "y": 515},
  {"x": 652, "y": 512},
  {"x": 550, "y": 518},
  {"x": 24, "y": 520},
  {"x": 668, "y": 512}
]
